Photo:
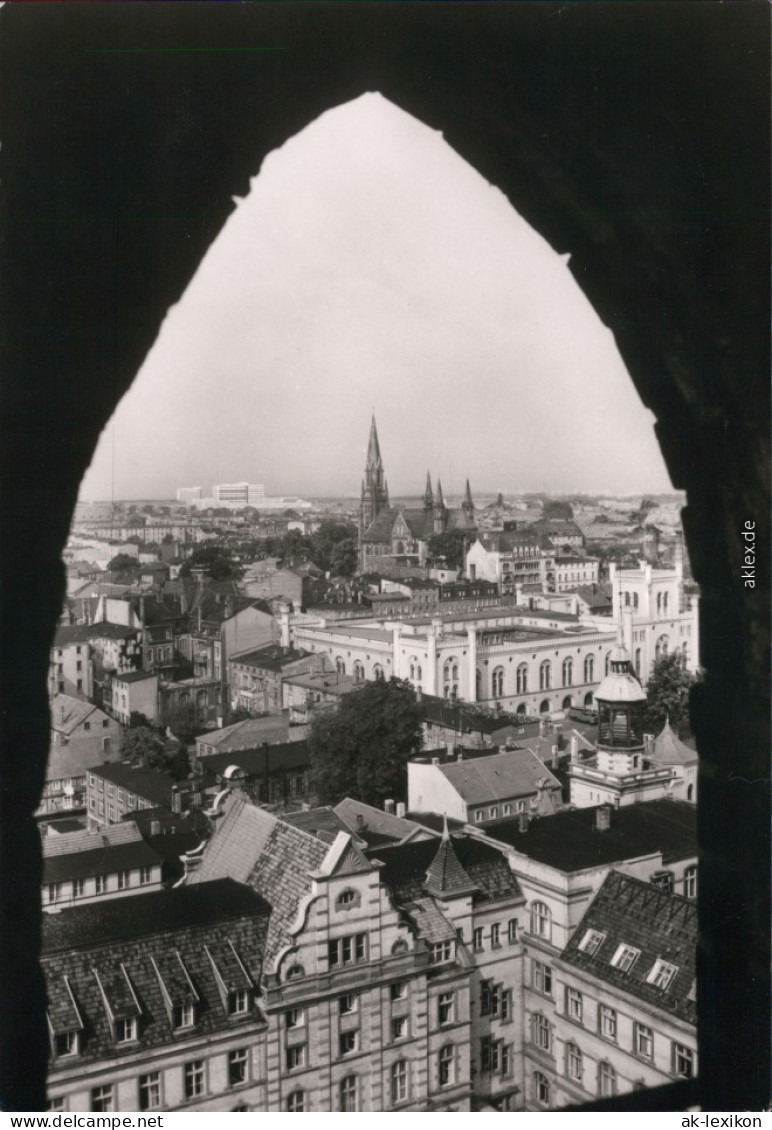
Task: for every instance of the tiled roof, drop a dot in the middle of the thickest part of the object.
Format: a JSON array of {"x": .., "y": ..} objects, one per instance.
[
  {"x": 270, "y": 658},
  {"x": 271, "y": 856},
  {"x": 405, "y": 867},
  {"x": 445, "y": 875},
  {"x": 670, "y": 750},
  {"x": 662, "y": 926},
  {"x": 82, "y": 633},
  {"x": 504, "y": 775},
  {"x": 430, "y": 920},
  {"x": 570, "y": 841},
  {"x": 461, "y": 718},
  {"x": 132, "y": 949},
  {"x": 375, "y": 822},
  {"x": 260, "y": 761},
  {"x": 76, "y": 855},
  {"x": 323, "y": 822},
  {"x": 246, "y": 735},
  {"x": 68, "y": 712}
]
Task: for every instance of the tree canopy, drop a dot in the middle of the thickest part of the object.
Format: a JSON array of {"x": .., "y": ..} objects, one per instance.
[
  {"x": 184, "y": 721},
  {"x": 555, "y": 508},
  {"x": 143, "y": 742},
  {"x": 667, "y": 694},
  {"x": 217, "y": 560},
  {"x": 361, "y": 748},
  {"x": 122, "y": 561},
  {"x": 450, "y": 546}
]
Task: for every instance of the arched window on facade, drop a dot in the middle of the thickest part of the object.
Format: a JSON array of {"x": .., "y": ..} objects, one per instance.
[
  {"x": 660, "y": 648},
  {"x": 340, "y": 666},
  {"x": 296, "y": 1102},
  {"x": 568, "y": 672},
  {"x": 607, "y": 1080},
  {"x": 542, "y": 1089},
  {"x": 635, "y": 600},
  {"x": 665, "y": 602},
  {"x": 478, "y": 685},
  {"x": 545, "y": 675},
  {"x": 690, "y": 882},
  {"x": 399, "y": 1084},
  {"x": 378, "y": 673},
  {"x": 659, "y": 603},
  {"x": 541, "y": 920},
  {"x": 359, "y": 672},
  {"x": 627, "y": 600},
  {"x": 348, "y": 1093},
  {"x": 606, "y": 663},
  {"x": 574, "y": 1062},
  {"x": 522, "y": 678},
  {"x": 545, "y": 706},
  {"x": 589, "y": 668},
  {"x": 450, "y": 678},
  {"x": 541, "y": 1032},
  {"x": 637, "y": 661},
  {"x": 498, "y": 682}
]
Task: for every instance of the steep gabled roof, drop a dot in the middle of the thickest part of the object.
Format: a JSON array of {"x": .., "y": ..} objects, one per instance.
[
  {"x": 269, "y": 855},
  {"x": 125, "y": 952},
  {"x": 504, "y": 775},
  {"x": 405, "y": 867},
  {"x": 445, "y": 875},
  {"x": 670, "y": 750},
  {"x": 627, "y": 911}
]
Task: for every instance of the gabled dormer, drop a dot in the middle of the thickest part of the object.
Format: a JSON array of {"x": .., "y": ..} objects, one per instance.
[
  {"x": 233, "y": 982},
  {"x": 121, "y": 1004},
  {"x": 180, "y": 997},
  {"x": 65, "y": 1025}
]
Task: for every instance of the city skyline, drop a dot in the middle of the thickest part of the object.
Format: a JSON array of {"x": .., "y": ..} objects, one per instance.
[{"x": 382, "y": 273}]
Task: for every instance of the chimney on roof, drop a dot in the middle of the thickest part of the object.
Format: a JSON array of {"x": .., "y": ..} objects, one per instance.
[
  {"x": 360, "y": 822},
  {"x": 155, "y": 827},
  {"x": 574, "y": 747},
  {"x": 542, "y": 727},
  {"x": 388, "y": 806},
  {"x": 522, "y": 822},
  {"x": 603, "y": 818},
  {"x": 401, "y": 808},
  {"x": 177, "y": 799}
]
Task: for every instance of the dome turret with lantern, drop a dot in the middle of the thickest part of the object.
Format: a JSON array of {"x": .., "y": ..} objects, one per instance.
[{"x": 621, "y": 701}]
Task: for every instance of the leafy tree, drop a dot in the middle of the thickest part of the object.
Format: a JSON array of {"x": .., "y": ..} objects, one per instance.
[
  {"x": 557, "y": 509},
  {"x": 326, "y": 543},
  {"x": 167, "y": 539},
  {"x": 667, "y": 694},
  {"x": 449, "y": 545},
  {"x": 136, "y": 718},
  {"x": 122, "y": 561},
  {"x": 361, "y": 748},
  {"x": 233, "y": 716},
  {"x": 216, "y": 558},
  {"x": 177, "y": 764},
  {"x": 142, "y": 742},
  {"x": 345, "y": 558},
  {"x": 184, "y": 721}
]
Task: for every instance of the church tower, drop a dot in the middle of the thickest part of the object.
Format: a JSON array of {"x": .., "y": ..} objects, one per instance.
[
  {"x": 440, "y": 511},
  {"x": 468, "y": 505},
  {"x": 375, "y": 491}
]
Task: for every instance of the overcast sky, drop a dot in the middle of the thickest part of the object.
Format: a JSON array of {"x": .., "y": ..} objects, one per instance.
[{"x": 371, "y": 268}]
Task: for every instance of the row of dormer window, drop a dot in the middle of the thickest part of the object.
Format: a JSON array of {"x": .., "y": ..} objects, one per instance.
[
  {"x": 76, "y": 888},
  {"x": 661, "y": 974}
]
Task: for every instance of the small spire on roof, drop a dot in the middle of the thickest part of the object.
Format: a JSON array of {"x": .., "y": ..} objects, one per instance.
[{"x": 445, "y": 832}]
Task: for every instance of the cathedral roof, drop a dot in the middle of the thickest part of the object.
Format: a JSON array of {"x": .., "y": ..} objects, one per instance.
[{"x": 373, "y": 447}]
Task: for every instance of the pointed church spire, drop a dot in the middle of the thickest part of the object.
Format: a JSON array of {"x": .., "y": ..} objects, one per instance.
[
  {"x": 468, "y": 505},
  {"x": 428, "y": 494},
  {"x": 439, "y": 501},
  {"x": 373, "y": 447}
]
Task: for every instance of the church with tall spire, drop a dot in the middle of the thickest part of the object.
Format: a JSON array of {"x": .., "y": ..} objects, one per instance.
[{"x": 398, "y": 536}]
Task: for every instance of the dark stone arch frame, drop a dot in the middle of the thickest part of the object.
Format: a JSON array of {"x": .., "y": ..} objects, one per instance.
[{"x": 634, "y": 138}]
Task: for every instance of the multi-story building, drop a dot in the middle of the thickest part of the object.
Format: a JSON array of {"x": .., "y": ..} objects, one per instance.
[
  {"x": 238, "y": 495},
  {"x": 369, "y": 971},
  {"x": 508, "y": 558},
  {"x": 564, "y": 573},
  {"x": 82, "y": 736},
  {"x": 256, "y": 677},
  {"x": 482, "y": 789},
  {"x": 84, "y": 656},
  {"x": 153, "y": 1004},
  {"x": 279, "y": 775},
  {"x": 134, "y": 692},
  {"x": 189, "y": 494},
  {"x": 661, "y": 618},
  {"x": 625, "y": 990},
  {"x": 561, "y": 862},
  {"x": 87, "y": 867},
  {"x": 69, "y": 669},
  {"x": 115, "y": 791}
]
